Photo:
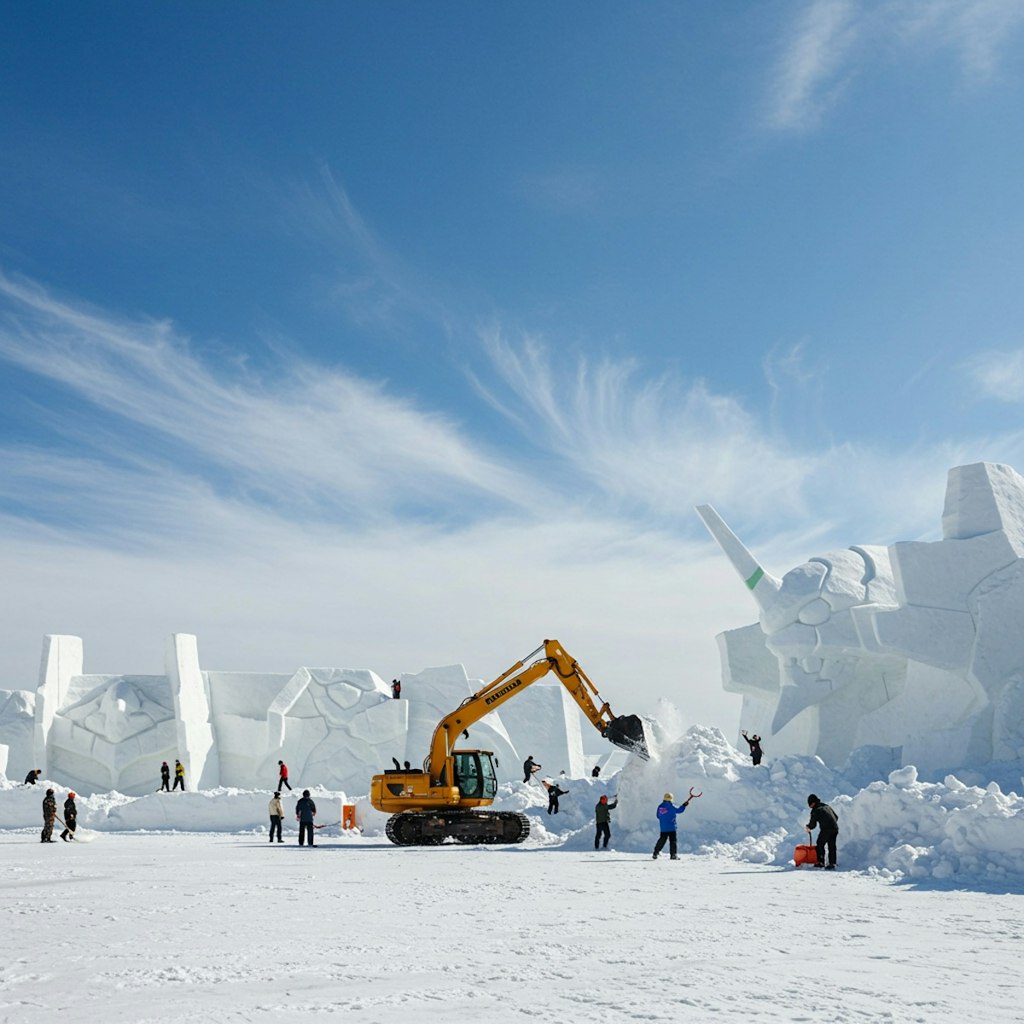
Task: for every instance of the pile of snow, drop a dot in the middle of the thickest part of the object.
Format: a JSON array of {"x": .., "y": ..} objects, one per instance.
[{"x": 899, "y": 827}]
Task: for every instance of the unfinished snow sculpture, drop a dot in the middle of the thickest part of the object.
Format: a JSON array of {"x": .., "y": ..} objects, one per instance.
[
  {"x": 332, "y": 727},
  {"x": 916, "y": 646}
]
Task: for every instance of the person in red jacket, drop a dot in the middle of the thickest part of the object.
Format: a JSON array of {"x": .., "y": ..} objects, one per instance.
[{"x": 283, "y": 780}]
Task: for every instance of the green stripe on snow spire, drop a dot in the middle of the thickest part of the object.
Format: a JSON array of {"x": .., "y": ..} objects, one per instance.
[{"x": 761, "y": 584}]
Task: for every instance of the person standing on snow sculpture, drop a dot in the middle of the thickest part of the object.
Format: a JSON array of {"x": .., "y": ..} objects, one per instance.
[
  {"x": 596, "y": 773},
  {"x": 165, "y": 778},
  {"x": 554, "y": 792},
  {"x": 305, "y": 812},
  {"x": 667, "y": 812},
  {"x": 602, "y": 820},
  {"x": 276, "y": 809},
  {"x": 530, "y": 768},
  {"x": 30, "y": 779},
  {"x": 827, "y": 822},
  {"x": 283, "y": 779},
  {"x": 756, "y": 753},
  {"x": 70, "y": 818},
  {"x": 49, "y": 813},
  {"x": 179, "y": 776},
  {"x": 396, "y": 688}
]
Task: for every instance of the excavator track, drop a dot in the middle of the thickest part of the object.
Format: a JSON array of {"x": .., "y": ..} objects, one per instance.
[{"x": 431, "y": 828}]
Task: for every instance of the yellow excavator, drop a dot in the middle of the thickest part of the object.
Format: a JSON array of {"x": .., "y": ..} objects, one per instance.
[{"x": 446, "y": 798}]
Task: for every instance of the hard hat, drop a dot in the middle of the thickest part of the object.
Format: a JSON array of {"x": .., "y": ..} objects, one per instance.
[
  {"x": 668, "y": 796},
  {"x": 71, "y": 796},
  {"x": 604, "y": 799}
]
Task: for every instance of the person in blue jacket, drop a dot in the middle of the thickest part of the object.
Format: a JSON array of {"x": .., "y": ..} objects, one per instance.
[{"x": 667, "y": 812}]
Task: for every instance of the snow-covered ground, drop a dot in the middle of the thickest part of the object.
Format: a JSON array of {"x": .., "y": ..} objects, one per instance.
[
  {"x": 179, "y": 909},
  {"x": 183, "y": 928}
]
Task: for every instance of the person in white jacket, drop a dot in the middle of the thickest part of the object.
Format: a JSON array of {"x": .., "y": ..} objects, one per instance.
[{"x": 276, "y": 809}]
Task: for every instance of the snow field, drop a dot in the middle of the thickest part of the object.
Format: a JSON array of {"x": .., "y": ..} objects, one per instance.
[{"x": 143, "y": 928}]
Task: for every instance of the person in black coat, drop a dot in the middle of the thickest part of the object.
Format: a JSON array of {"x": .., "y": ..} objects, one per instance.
[
  {"x": 827, "y": 823},
  {"x": 530, "y": 768},
  {"x": 553, "y": 794},
  {"x": 30, "y": 779},
  {"x": 755, "y": 746},
  {"x": 70, "y": 818},
  {"x": 165, "y": 778}
]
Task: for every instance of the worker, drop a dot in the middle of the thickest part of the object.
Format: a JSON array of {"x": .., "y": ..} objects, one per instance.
[
  {"x": 667, "y": 812},
  {"x": 276, "y": 809},
  {"x": 554, "y": 792},
  {"x": 30, "y": 779},
  {"x": 755, "y": 746},
  {"x": 396, "y": 688},
  {"x": 305, "y": 812},
  {"x": 602, "y": 820},
  {"x": 165, "y": 778},
  {"x": 596, "y": 773},
  {"x": 530, "y": 768},
  {"x": 282, "y": 780},
  {"x": 70, "y": 818},
  {"x": 827, "y": 822},
  {"x": 49, "y": 813},
  {"x": 179, "y": 776}
]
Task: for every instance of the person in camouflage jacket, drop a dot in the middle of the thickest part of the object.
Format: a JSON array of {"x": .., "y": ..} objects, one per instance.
[{"x": 49, "y": 814}]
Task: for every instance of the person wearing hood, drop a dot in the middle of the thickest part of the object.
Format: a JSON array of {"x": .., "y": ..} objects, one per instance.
[
  {"x": 165, "y": 778},
  {"x": 70, "y": 818},
  {"x": 667, "y": 812},
  {"x": 602, "y": 820},
  {"x": 276, "y": 809},
  {"x": 49, "y": 814}
]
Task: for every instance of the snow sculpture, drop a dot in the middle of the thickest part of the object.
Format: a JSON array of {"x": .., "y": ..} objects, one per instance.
[
  {"x": 332, "y": 727},
  {"x": 916, "y": 646},
  {"x": 17, "y": 729},
  {"x": 548, "y": 720}
]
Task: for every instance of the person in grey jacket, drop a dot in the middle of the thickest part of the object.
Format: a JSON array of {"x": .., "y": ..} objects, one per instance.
[
  {"x": 276, "y": 809},
  {"x": 305, "y": 812}
]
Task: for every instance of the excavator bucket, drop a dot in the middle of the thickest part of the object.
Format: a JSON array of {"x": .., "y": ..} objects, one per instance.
[{"x": 627, "y": 731}]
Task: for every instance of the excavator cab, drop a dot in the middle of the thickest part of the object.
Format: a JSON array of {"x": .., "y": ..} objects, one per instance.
[{"x": 474, "y": 774}]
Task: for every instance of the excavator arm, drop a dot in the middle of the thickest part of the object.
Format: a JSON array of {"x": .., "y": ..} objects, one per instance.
[{"x": 624, "y": 731}]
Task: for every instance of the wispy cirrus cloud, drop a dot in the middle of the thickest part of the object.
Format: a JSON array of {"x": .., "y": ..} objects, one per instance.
[
  {"x": 999, "y": 374},
  {"x": 830, "y": 42},
  {"x": 318, "y": 439}
]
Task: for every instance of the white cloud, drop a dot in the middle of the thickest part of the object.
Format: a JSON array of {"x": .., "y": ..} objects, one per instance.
[
  {"x": 831, "y": 41},
  {"x": 811, "y": 72},
  {"x": 999, "y": 374},
  {"x": 321, "y": 439}
]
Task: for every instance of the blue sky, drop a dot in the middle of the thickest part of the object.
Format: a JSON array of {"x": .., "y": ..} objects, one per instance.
[{"x": 399, "y": 334}]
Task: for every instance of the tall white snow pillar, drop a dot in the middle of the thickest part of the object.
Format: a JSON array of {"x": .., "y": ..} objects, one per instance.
[
  {"x": 62, "y": 660},
  {"x": 197, "y": 749}
]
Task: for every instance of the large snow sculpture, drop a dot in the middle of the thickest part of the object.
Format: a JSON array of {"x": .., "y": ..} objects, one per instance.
[
  {"x": 332, "y": 727},
  {"x": 916, "y": 646}
]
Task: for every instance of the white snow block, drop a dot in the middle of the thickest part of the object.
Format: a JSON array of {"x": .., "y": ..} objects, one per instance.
[
  {"x": 544, "y": 721},
  {"x": 62, "y": 659},
  {"x": 17, "y": 733},
  {"x": 192, "y": 712}
]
